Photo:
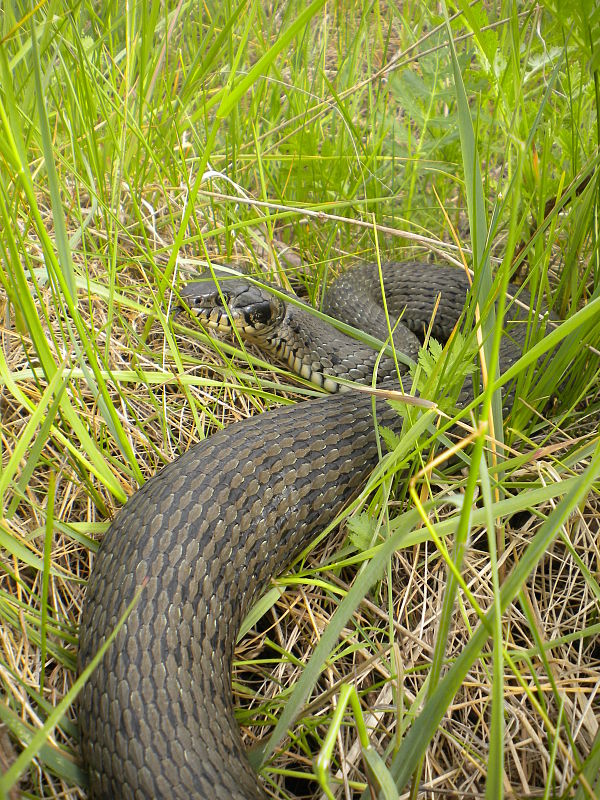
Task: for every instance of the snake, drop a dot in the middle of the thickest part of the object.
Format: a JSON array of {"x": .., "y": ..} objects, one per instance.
[{"x": 198, "y": 543}]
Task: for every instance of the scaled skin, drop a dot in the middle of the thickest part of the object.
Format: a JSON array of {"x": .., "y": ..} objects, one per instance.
[{"x": 207, "y": 533}]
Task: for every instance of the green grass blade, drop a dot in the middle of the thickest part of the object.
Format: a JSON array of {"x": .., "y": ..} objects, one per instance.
[{"x": 264, "y": 63}]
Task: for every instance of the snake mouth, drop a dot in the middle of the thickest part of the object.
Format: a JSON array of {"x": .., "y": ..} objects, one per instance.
[{"x": 252, "y": 320}]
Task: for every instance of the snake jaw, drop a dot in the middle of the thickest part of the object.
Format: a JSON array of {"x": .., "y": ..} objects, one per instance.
[{"x": 254, "y": 321}]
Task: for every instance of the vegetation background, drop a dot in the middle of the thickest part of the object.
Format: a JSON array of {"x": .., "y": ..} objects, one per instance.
[{"x": 139, "y": 141}]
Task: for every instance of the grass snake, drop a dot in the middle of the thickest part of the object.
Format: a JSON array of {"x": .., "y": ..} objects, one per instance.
[{"x": 205, "y": 535}]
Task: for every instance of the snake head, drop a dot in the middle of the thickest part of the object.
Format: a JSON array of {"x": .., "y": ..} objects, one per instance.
[{"x": 233, "y": 300}]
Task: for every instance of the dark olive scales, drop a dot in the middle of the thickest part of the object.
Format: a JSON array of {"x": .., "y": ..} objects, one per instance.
[{"x": 208, "y": 532}]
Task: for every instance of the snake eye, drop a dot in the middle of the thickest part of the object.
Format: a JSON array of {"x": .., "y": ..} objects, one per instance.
[{"x": 222, "y": 299}]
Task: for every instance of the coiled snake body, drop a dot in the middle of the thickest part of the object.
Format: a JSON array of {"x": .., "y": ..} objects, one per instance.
[{"x": 206, "y": 534}]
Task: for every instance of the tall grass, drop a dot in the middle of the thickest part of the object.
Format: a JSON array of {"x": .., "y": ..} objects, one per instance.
[{"x": 140, "y": 141}]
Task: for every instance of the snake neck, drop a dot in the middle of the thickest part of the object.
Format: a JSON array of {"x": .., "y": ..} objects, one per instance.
[{"x": 315, "y": 351}]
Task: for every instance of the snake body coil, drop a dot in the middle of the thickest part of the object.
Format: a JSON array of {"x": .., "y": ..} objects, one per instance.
[{"x": 206, "y": 534}]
